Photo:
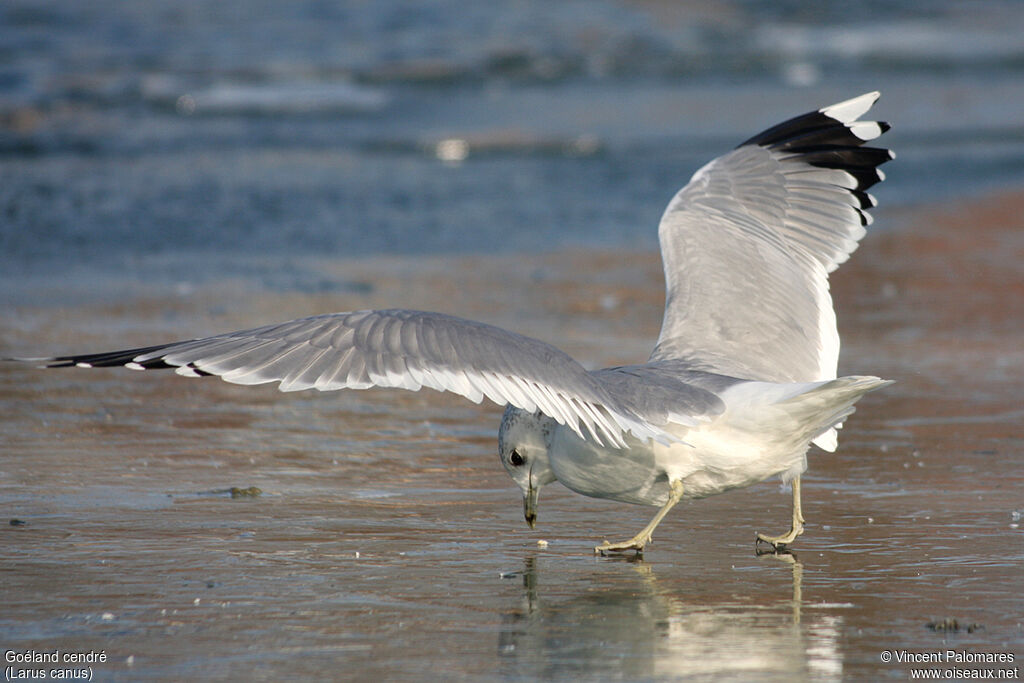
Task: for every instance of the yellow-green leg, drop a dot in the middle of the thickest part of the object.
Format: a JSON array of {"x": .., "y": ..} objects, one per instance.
[
  {"x": 798, "y": 523},
  {"x": 638, "y": 542}
]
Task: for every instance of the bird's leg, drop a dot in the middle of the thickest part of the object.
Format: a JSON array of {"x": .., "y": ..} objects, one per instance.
[
  {"x": 638, "y": 542},
  {"x": 795, "y": 530}
]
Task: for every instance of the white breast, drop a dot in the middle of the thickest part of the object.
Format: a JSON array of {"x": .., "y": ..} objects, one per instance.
[{"x": 630, "y": 475}]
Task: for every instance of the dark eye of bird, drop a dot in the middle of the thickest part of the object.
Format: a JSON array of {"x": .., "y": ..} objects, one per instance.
[{"x": 516, "y": 459}]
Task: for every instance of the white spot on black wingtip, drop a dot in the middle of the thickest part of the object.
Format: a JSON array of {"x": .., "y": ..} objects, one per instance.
[
  {"x": 866, "y": 130},
  {"x": 187, "y": 371},
  {"x": 134, "y": 366},
  {"x": 851, "y": 109},
  {"x": 83, "y": 365}
]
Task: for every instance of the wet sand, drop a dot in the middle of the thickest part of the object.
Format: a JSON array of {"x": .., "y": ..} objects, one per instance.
[{"x": 388, "y": 544}]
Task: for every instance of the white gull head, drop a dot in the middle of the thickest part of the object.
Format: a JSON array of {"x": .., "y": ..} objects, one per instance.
[{"x": 523, "y": 442}]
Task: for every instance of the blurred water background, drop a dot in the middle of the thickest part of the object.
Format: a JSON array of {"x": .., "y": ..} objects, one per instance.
[{"x": 174, "y": 141}]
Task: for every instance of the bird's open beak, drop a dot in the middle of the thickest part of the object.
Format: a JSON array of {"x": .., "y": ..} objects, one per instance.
[{"x": 530, "y": 505}]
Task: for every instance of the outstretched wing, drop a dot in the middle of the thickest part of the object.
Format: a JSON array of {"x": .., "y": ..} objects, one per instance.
[
  {"x": 397, "y": 348},
  {"x": 748, "y": 244}
]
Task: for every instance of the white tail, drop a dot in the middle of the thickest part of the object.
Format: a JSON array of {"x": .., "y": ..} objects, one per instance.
[{"x": 827, "y": 404}]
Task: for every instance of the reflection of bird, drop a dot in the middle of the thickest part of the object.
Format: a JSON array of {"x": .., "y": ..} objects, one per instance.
[
  {"x": 627, "y": 624},
  {"x": 741, "y": 381}
]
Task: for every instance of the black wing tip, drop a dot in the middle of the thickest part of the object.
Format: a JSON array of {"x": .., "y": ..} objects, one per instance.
[
  {"x": 866, "y": 200},
  {"x": 110, "y": 359},
  {"x": 822, "y": 130},
  {"x": 842, "y": 156},
  {"x": 835, "y": 124},
  {"x": 106, "y": 359},
  {"x": 796, "y": 126},
  {"x": 834, "y": 138}
]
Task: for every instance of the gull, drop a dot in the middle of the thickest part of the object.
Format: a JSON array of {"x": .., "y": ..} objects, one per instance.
[{"x": 741, "y": 381}]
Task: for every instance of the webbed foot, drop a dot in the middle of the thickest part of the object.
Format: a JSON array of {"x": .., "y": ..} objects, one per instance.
[
  {"x": 782, "y": 541},
  {"x": 636, "y": 543}
]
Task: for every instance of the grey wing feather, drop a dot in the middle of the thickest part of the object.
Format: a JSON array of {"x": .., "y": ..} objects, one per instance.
[
  {"x": 667, "y": 391},
  {"x": 403, "y": 349},
  {"x": 748, "y": 244}
]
